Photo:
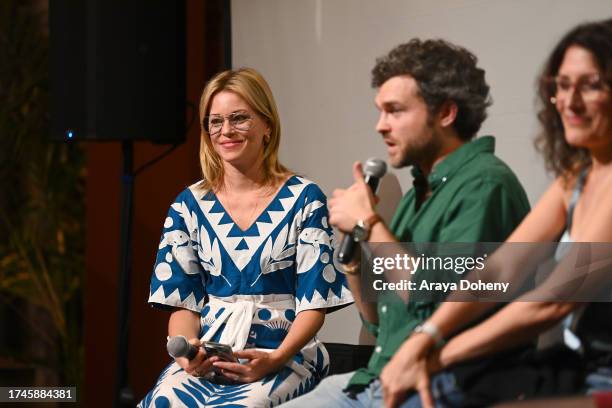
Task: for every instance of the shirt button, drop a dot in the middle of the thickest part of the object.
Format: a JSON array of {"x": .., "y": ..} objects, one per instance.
[
  {"x": 443, "y": 179},
  {"x": 383, "y": 309},
  {"x": 378, "y": 349}
]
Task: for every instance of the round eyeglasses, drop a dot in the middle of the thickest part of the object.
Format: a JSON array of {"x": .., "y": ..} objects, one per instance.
[
  {"x": 240, "y": 121},
  {"x": 590, "y": 87}
]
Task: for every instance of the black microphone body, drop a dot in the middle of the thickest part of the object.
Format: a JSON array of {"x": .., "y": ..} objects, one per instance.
[
  {"x": 374, "y": 170},
  {"x": 178, "y": 346}
]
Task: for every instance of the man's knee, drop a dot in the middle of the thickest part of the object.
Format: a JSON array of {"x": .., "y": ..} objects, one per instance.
[{"x": 324, "y": 394}]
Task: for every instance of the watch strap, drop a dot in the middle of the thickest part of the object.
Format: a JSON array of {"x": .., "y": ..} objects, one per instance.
[
  {"x": 432, "y": 331},
  {"x": 372, "y": 220},
  {"x": 352, "y": 268}
]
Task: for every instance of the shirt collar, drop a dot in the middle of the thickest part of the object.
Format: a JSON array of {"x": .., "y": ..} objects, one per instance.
[{"x": 455, "y": 160}]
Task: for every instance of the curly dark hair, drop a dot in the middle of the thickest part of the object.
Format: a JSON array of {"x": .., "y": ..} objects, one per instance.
[
  {"x": 561, "y": 158},
  {"x": 443, "y": 72}
]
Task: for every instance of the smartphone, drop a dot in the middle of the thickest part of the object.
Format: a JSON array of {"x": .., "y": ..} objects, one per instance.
[{"x": 223, "y": 351}]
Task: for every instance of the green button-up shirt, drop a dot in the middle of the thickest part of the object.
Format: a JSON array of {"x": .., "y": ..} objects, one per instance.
[{"x": 475, "y": 197}]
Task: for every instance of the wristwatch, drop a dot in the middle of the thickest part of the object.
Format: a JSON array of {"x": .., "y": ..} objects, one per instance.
[
  {"x": 352, "y": 268},
  {"x": 362, "y": 229},
  {"x": 432, "y": 331}
]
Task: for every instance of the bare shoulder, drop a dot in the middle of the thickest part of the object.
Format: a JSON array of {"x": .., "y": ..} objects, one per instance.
[
  {"x": 557, "y": 195},
  {"x": 604, "y": 197}
]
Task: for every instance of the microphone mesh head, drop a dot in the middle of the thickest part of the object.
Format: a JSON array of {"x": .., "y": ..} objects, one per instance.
[
  {"x": 374, "y": 167},
  {"x": 177, "y": 346}
]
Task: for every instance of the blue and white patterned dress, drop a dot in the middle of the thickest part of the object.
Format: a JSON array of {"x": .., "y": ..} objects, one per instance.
[{"x": 247, "y": 287}]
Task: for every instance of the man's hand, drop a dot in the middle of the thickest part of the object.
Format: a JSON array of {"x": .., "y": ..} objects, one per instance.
[
  {"x": 259, "y": 365},
  {"x": 348, "y": 206},
  {"x": 407, "y": 371}
]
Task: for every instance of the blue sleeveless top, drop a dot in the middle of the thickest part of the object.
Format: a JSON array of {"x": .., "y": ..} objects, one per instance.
[{"x": 569, "y": 336}]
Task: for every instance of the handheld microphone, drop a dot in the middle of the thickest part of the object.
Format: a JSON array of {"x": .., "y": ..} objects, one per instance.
[
  {"x": 178, "y": 346},
  {"x": 373, "y": 170}
]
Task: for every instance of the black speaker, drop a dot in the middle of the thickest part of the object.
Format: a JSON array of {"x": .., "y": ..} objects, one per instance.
[{"x": 117, "y": 70}]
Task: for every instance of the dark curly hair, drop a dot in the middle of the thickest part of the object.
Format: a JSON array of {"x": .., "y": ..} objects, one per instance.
[
  {"x": 444, "y": 72},
  {"x": 561, "y": 158}
]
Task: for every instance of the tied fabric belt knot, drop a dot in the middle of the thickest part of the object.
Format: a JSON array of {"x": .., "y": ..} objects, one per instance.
[{"x": 237, "y": 314}]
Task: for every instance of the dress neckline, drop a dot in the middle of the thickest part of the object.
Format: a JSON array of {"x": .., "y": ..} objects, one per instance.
[{"x": 261, "y": 213}]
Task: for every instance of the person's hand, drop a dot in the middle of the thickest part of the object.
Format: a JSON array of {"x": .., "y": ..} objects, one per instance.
[
  {"x": 348, "y": 206},
  {"x": 199, "y": 366},
  {"x": 407, "y": 371},
  {"x": 259, "y": 365}
]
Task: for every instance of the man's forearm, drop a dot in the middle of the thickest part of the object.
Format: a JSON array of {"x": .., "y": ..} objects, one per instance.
[
  {"x": 380, "y": 233},
  {"x": 451, "y": 317}
]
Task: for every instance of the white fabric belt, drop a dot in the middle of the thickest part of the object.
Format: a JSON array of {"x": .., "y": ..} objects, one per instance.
[{"x": 238, "y": 313}]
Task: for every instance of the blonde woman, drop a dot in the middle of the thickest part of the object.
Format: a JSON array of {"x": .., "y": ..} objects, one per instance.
[{"x": 245, "y": 260}]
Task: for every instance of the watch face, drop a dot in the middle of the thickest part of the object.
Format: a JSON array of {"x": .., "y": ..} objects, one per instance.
[{"x": 359, "y": 233}]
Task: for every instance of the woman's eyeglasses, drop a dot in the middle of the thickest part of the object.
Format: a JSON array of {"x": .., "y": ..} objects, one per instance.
[
  {"x": 240, "y": 121},
  {"x": 590, "y": 87}
]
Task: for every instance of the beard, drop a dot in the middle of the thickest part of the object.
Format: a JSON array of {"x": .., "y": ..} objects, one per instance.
[{"x": 421, "y": 152}]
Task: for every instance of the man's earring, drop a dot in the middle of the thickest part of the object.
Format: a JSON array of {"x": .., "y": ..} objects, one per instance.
[{"x": 553, "y": 100}]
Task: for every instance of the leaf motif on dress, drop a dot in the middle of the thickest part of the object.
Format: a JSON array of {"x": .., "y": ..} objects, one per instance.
[
  {"x": 189, "y": 217},
  {"x": 310, "y": 209},
  {"x": 276, "y": 266},
  {"x": 295, "y": 227},
  {"x": 216, "y": 258},
  {"x": 204, "y": 249},
  {"x": 264, "y": 259},
  {"x": 192, "y": 390},
  {"x": 273, "y": 254},
  {"x": 279, "y": 242},
  {"x": 281, "y": 248},
  {"x": 214, "y": 266},
  {"x": 287, "y": 253}
]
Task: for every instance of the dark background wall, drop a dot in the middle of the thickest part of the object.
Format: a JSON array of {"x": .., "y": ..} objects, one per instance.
[{"x": 155, "y": 189}]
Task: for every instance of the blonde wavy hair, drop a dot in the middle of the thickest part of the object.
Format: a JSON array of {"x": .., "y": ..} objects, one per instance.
[{"x": 253, "y": 88}]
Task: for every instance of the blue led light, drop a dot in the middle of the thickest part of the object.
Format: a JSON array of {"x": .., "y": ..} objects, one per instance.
[{"x": 69, "y": 134}]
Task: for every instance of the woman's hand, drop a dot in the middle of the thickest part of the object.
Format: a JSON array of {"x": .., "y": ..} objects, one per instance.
[
  {"x": 408, "y": 370},
  {"x": 199, "y": 366},
  {"x": 186, "y": 323},
  {"x": 259, "y": 365}
]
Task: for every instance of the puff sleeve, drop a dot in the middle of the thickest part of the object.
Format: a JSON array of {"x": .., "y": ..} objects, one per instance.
[
  {"x": 319, "y": 282},
  {"x": 178, "y": 277}
]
